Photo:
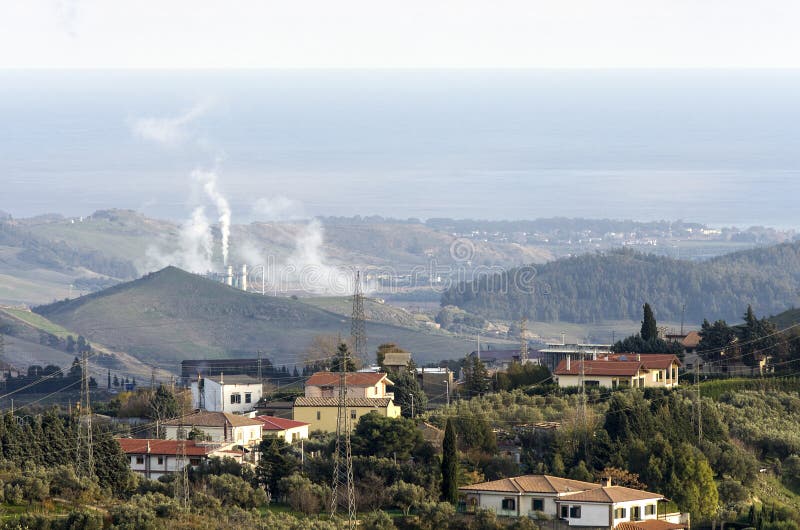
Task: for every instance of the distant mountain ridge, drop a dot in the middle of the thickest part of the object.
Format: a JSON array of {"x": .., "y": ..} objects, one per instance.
[
  {"x": 614, "y": 285},
  {"x": 171, "y": 314}
]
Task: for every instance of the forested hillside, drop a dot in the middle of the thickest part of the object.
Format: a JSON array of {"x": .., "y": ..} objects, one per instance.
[{"x": 614, "y": 285}]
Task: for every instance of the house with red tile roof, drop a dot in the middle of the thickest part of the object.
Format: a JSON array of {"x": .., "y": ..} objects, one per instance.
[
  {"x": 289, "y": 430},
  {"x": 620, "y": 370},
  {"x": 153, "y": 457},
  {"x": 359, "y": 385},
  {"x": 575, "y": 503}
]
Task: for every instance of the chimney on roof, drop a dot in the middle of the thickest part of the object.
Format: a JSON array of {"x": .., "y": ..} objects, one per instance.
[
  {"x": 569, "y": 362},
  {"x": 606, "y": 482},
  {"x": 639, "y": 357},
  {"x": 148, "y": 447}
]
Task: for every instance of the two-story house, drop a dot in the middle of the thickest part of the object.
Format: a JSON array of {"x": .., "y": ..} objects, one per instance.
[
  {"x": 226, "y": 393},
  {"x": 366, "y": 392},
  {"x": 628, "y": 370},
  {"x": 153, "y": 458},
  {"x": 220, "y": 427}
]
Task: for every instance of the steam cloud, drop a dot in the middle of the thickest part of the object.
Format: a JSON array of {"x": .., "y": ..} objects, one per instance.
[
  {"x": 209, "y": 181},
  {"x": 195, "y": 246},
  {"x": 167, "y": 132}
]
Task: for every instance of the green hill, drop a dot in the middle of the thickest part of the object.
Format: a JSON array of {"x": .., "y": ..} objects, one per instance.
[
  {"x": 614, "y": 285},
  {"x": 171, "y": 315}
]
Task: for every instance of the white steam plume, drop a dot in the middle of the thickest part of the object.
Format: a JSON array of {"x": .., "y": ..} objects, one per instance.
[
  {"x": 209, "y": 181},
  {"x": 195, "y": 246},
  {"x": 167, "y": 132}
]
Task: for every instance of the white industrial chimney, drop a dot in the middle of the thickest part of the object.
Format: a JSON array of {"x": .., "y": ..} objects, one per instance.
[
  {"x": 569, "y": 362},
  {"x": 243, "y": 281},
  {"x": 229, "y": 276}
]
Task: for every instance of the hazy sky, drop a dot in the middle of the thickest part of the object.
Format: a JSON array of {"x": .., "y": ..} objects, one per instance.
[{"x": 401, "y": 33}]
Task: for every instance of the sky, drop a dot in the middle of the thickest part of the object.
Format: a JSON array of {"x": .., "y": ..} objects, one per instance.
[{"x": 172, "y": 34}]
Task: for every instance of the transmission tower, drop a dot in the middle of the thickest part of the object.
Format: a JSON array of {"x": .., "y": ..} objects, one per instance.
[
  {"x": 699, "y": 401},
  {"x": 343, "y": 489},
  {"x": 358, "y": 327},
  {"x": 84, "y": 455},
  {"x": 523, "y": 334}
]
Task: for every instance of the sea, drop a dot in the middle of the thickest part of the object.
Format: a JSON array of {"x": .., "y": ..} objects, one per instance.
[{"x": 721, "y": 147}]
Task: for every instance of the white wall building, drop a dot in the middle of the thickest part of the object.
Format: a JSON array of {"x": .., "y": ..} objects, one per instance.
[
  {"x": 572, "y": 502},
  {"x": 220, "y": 427},
  {"x": 153, "y": 458},
  {"x": 226, "y": 393}
]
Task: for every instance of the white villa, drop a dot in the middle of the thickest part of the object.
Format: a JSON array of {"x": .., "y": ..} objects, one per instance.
[
  {"x": 574, "y": 503},
  {"x": 220, "y": 427},
  {"x": 153, "y": 458}
]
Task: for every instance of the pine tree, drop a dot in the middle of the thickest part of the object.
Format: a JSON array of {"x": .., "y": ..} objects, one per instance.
[
  {"x": 649, "y": 326},
  {"x": 449, "y": 464}
]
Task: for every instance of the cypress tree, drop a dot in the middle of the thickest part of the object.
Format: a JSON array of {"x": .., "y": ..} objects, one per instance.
[
  {"x": 649, "y": 327},
  {"x": 449, "y": 464}
]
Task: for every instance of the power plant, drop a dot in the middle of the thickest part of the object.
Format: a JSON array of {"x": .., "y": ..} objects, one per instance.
[{"x": 236, "y": 279}]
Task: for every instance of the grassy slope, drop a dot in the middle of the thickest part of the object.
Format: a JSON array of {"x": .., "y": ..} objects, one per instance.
[
  {"x": 22, "y": 347},
  {"x": 172, "y": 315}
]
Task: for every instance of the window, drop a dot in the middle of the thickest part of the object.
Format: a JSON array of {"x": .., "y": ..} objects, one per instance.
[
  {"x": 620, "y": 513},
  {"x": 537, "y": 505},
  {"x": 564, "y": 512},
  {"x": 353, "y": 414},
  {"x": 636, "y": 513},
  {"x": 140, "y": 460},
  {"x": 575, "y": 512},
  {"x": 194, "y": 461},
  {"x": 592, "y": 384},
  {"x": 319, "y": 415},
  {"x": 236, "y": 398},
  {"x": 650, "y": 509},
  {"x": 160, "y": 460},
  {"x": 248, "y": 398},
  {"x": 509, "y": 504}
]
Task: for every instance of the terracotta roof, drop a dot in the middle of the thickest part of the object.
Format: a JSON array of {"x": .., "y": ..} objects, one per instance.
[
  {"x": 650, "y": 361},
  {"x": 139, "y": 446},
  {"x": 205, "y": 418},
  {"x": 691, "y": 340},
  {"x": 351, "y": 402},
  {"x": 353, "y": 379},
  {"x": 612, "y": 368},
  {"x": 650, "y": 524},
  {"x": 273, "y": 423},
  {"x": 532, "y": 484},
  {"x": 612, "y": 494}
]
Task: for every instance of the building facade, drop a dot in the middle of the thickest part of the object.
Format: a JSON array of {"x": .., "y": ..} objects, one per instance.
[
  {"x": 632, "y": 370},
  {"x": 226, "y": 393},
  {"x": 153, "y": 458},
  {"x": 289, "y": 430},
  {"x": 321, "y": 412},
  {"x": 219, "y": 427},
  {"x": 359, "y": 385}
]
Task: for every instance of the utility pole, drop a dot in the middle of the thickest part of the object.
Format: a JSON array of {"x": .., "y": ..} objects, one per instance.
[
  {"x": 699, "y": 402},
  {"x": 84, "y": 454},
  {"x": 181, "y": 462},
  {"x": 683, "y": 314},
  {"x": 523, "y": 334},
  {"x": 412, "y": 406},
  {"x": 343, "y": 487},
  {"x": 358, "y": 326}
]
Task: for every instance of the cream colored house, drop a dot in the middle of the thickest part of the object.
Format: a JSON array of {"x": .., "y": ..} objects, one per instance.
[
  {"x": 289, "y": 430},
  {"x": 321, "y": 412},
  {"x": 221, "y": 427},
  {"x": 573, "y": 502},
  {"x": 359, "y": 385},
  {"x": 637, "y": 370}
]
